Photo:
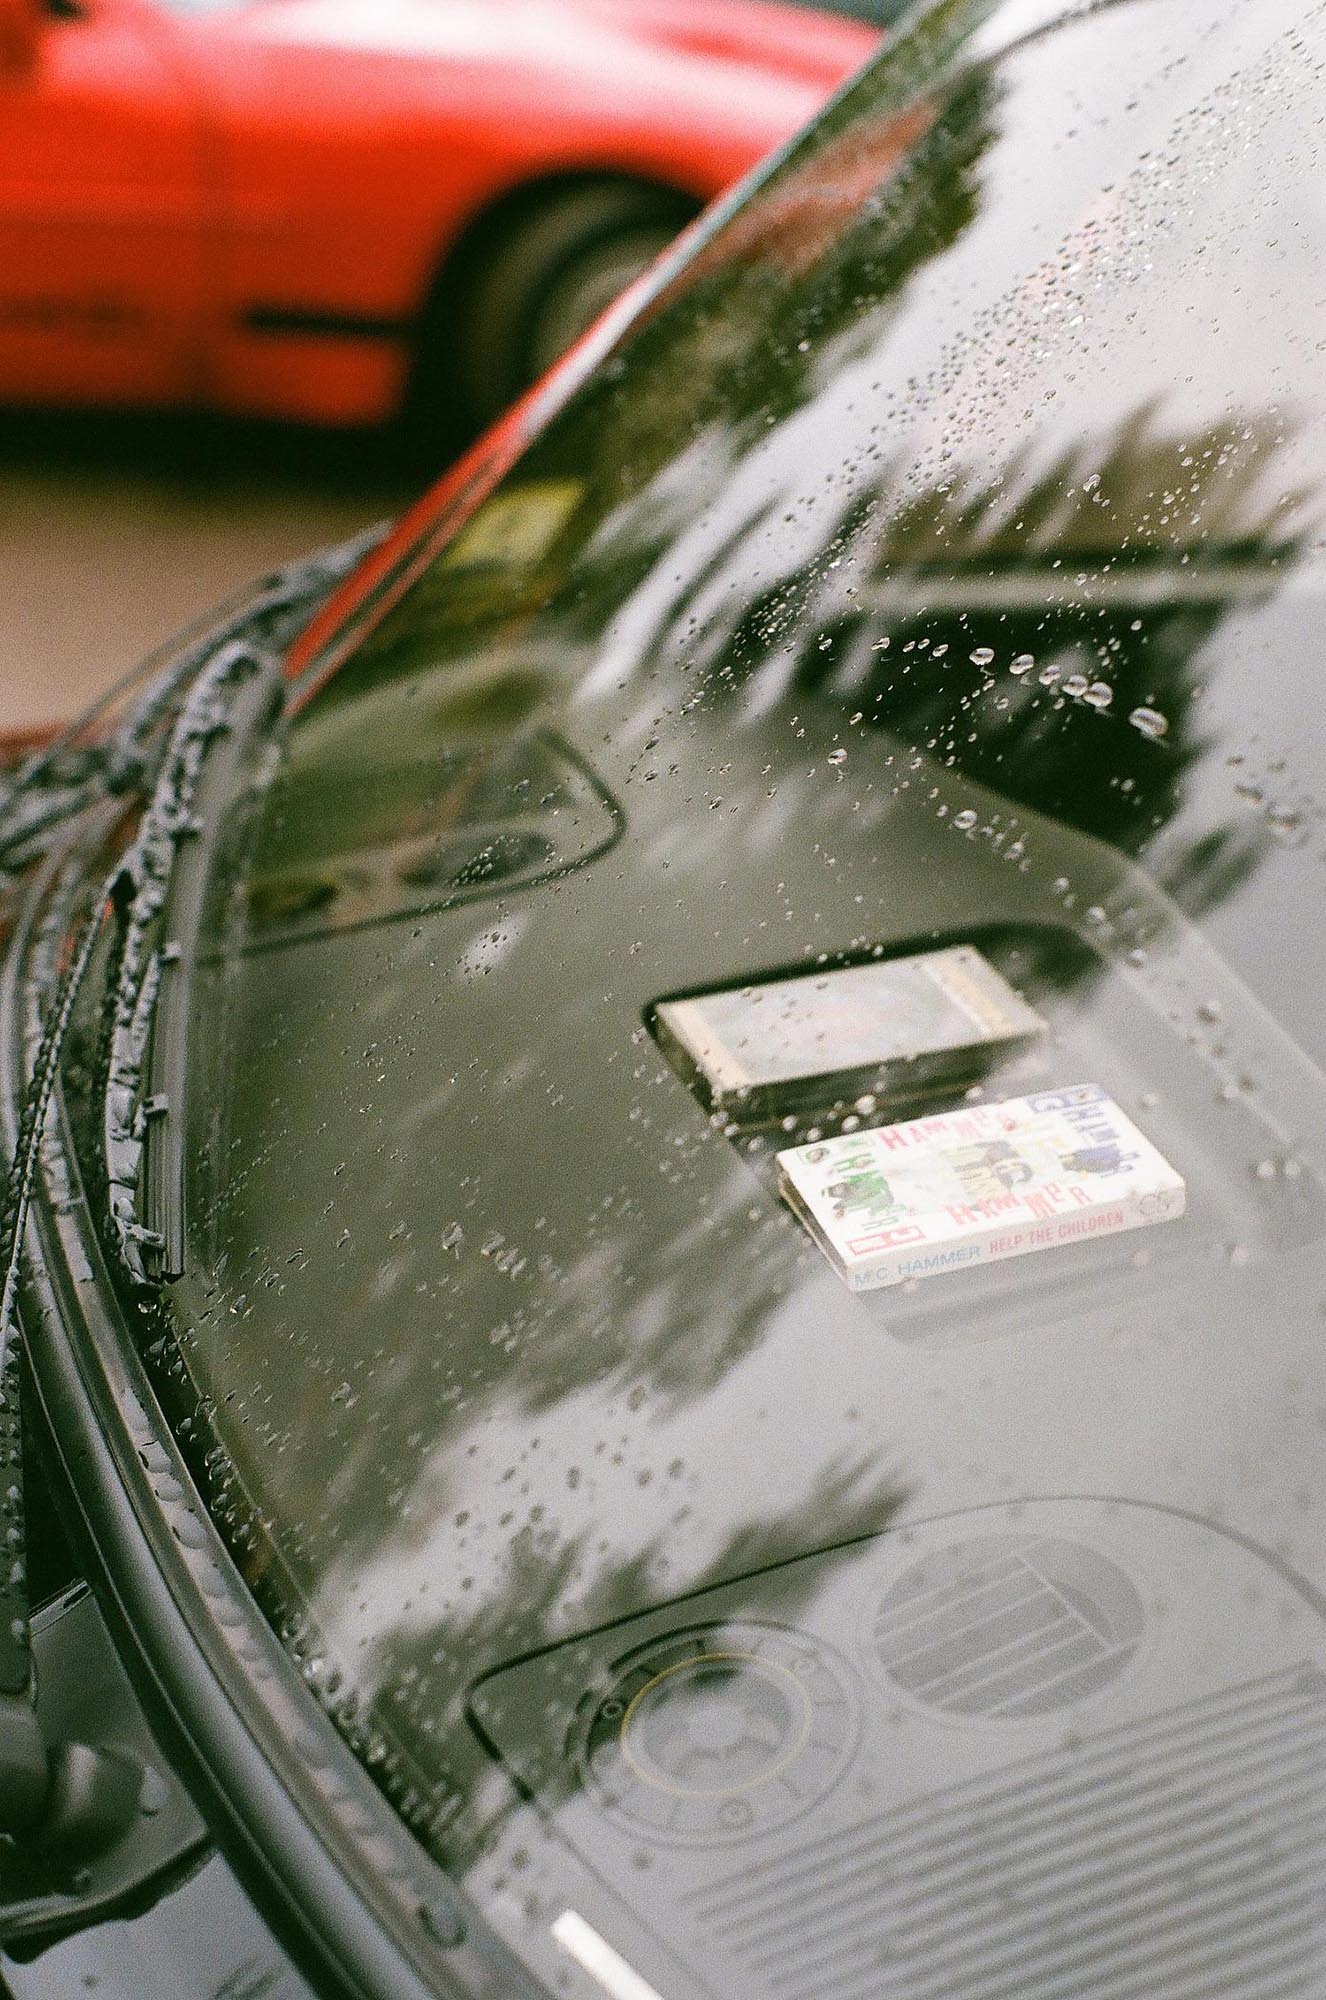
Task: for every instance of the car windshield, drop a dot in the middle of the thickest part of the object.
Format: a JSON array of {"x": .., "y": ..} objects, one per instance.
[{"x": 886, "y": 691}]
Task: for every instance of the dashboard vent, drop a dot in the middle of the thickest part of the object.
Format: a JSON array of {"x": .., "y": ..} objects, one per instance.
[{"x": 1008, "y": 1626}]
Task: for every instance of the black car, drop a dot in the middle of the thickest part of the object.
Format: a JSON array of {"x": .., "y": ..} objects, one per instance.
[{"x": 668, "y": 1231}]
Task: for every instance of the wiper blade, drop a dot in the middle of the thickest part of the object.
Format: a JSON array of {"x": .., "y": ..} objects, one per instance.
[
  {"x": 233, "y": 692},
  {"x": 159, "y": 890},
  {"x": 47, "y": 790}
]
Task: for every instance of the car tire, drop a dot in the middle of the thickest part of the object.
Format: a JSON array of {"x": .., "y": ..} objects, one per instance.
[{"x": 530, "y": 287}]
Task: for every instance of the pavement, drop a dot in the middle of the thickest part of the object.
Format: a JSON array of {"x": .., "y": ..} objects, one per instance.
[{"x": 115, "y": 532}]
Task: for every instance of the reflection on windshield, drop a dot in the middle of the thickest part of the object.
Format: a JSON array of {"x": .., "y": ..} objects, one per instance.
[{"x": 932, "y": 566}]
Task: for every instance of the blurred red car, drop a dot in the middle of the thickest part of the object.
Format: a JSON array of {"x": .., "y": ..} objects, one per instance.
[{"x": 323, "y": 209}]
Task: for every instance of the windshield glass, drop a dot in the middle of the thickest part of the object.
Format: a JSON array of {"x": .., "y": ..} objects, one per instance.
[{"x": 887, "y": 692}]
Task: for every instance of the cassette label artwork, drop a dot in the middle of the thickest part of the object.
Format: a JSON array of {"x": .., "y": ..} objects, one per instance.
[{"x": 976, "y": 1185}]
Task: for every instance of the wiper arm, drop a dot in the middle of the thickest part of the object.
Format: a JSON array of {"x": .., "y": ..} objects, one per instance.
[{"x": 72, "y": 1792}]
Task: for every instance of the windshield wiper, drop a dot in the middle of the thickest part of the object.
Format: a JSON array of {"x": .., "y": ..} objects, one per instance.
[
  {"x": 73, "y": 1793},
  {"x": 159, "y": 893}
]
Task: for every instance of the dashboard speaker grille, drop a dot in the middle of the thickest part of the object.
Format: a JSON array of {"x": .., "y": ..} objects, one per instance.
[{"x": 1180, "y": 1858}]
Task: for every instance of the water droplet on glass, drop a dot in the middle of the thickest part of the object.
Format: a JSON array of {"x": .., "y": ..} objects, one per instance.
[
  {"x": 965, "y": 820},
  {"x": 1022, "y": 664},
  {"x": 1100, "y": 694},
  {"x": 837, "y": 756},
  {"x": 1149, "y": 721}
]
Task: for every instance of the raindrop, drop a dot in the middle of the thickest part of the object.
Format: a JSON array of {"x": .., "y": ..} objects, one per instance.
[
  {"x": 1076, "y": 685},
  {"x": 1149, "y": 721},
  {"x": 965, "y": 820},
  {"x": 865, "y": 1105},
  {"x": 981, "y": 656},
  {"x": 1100, "y": 694},
  {"x": 1022, "y": 664},
  {"x": 837, "y": 756}
]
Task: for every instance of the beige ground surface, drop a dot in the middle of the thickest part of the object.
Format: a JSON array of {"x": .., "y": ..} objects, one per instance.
[{"x": 116, "y": 532}]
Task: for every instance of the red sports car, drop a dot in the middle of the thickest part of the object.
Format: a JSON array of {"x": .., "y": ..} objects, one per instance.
[{"x": 323, "y": 209}]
